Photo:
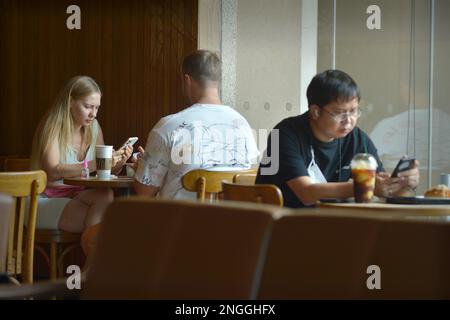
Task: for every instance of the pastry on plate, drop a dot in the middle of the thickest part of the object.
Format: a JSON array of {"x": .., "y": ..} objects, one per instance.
[{"x": 440, "y": 191}]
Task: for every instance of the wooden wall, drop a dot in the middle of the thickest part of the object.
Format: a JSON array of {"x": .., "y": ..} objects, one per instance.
[{"x": 132, "y": 48}]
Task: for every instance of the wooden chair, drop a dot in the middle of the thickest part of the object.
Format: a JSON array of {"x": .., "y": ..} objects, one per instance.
[
  {"x": 244, "y": 178},
  {"x": 21, "y": 240},
  {"x": 260, "y": 193},
  {"x": 59, "y": 242},
  {"x": 208, "y": 184},
  {"x": 6, "y": 210},
  {"x": 314, "y": 256},
  {"x": 178, "y": 250}
]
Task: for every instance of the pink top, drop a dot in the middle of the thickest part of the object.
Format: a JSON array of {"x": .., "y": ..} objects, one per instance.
[
  {"x": 64, "y": 191},
  {"x": 60, "y": 190}
]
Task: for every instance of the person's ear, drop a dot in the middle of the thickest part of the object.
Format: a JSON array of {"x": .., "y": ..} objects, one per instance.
[
  {"x": 187, "y": 87},
  {"x": 315, "y": 112},
  {"x": 187, "y": 79},
  {"x": 71, "y": 102}
]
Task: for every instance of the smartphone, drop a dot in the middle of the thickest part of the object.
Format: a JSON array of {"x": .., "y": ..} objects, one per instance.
[
  {"x": 129, "y": 142},
  {"x": 403, "y": 165}
]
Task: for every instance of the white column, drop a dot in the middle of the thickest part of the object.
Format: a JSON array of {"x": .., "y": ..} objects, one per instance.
[
  {"x": 308, "y": 48},
  {"x": 228, "y": 50},
  {"x": 209, "y": 25}
]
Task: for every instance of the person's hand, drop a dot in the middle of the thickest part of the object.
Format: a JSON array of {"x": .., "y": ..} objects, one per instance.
[
  {"x": 116, "y": 157},
  {"x": 136, "y": 159},
  {"x": 121, "y": 156},
  {"x": 139, "y": 155},
  {"x": 385, "y": 186},
  {"x": 410, "y": 178},
  {"x": 127, "y": 154},
  {"x": 403, "y": 184}
]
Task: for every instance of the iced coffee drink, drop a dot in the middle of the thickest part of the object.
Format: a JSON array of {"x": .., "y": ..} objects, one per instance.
[{"x": 364, "y": 170}]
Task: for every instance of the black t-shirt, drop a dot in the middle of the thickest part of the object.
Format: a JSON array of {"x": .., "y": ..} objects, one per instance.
[{"x": 295, "y": 141}]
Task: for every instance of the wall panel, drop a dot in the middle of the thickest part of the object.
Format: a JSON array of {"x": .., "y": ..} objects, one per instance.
[{"x": 132, "y": 48}]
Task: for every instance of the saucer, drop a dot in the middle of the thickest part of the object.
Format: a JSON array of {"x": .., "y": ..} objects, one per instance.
[{"x": 111, "y": 177}]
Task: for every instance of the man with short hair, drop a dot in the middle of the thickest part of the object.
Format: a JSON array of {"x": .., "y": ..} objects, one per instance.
[
  {"x": 316, "y": 148},
  {"x": 206, "y": 135}
]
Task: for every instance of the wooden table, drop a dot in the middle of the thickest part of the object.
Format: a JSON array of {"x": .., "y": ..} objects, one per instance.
[
  {"x": 436, "y": 212},
  {"x": 122, "y": 182}
]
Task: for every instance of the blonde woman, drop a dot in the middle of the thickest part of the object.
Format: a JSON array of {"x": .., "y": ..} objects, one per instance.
[{"x": 64, "y": 139}]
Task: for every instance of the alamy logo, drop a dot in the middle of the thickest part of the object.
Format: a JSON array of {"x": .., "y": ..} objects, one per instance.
[
  {"x": 74, "y": 280},
  {"x": 74, "y": 20},
  {"x": 374, "y": 280},
  {"x": 223, "y": 144},
  {"x": 374, "y": 20}
]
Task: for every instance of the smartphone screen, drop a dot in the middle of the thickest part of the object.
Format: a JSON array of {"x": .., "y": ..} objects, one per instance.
[
  {"x": 403, "y": 165},
  {"x": 130, "y": 142}
]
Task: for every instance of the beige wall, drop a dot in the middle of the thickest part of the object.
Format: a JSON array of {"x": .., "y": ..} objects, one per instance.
[
  {"x": 269, "y": 55},
  {"x": 268, "y": 61},
  {"x": 273, "y": 44}
]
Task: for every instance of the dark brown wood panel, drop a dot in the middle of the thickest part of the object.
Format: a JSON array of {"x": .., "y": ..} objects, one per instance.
[{"x": 133, "y": 49}]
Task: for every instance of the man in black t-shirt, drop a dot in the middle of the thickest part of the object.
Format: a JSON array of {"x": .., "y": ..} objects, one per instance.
[{"x": 311, "y": 160}]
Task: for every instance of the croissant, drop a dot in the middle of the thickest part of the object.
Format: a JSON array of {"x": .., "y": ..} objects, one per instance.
[{"x": 441, "y": 191}]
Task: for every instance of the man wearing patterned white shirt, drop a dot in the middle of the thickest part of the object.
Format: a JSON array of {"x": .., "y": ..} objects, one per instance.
[{"x": 206, "y": 135}]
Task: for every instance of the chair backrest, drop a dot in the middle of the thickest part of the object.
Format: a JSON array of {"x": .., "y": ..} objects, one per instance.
[
  {"x": 21, "y": 185},
  {"x": 6, "y": 209},
  {"x": 244, "y": 178},
  {"x": 260, "y": 193},
  {"x": 19, "y": 164},
  {"x": 207, "y": 184},
  {"x": 331, "y": 257},
  {"x": 178, "y": 250}
]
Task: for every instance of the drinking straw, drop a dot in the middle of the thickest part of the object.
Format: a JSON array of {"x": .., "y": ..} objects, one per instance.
[{"x": 364, "y": 143}]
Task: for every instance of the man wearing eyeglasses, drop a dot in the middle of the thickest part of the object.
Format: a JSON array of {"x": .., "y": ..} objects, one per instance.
[{"x": 316, "y": 148}]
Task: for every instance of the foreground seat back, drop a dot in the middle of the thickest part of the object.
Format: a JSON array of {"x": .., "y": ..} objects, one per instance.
[
  {"x": 335, "y": 257},
  {"x": 155, "y": 249}
]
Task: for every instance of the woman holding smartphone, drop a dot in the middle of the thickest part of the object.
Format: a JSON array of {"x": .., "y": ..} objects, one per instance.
[{"x": 64, "y": 140}]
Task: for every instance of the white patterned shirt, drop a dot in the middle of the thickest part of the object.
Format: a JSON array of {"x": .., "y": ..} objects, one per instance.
[{"x": 203, "y": 136}]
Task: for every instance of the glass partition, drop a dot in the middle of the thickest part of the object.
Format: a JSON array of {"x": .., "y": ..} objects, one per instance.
[{"x": 392, "y": 67}]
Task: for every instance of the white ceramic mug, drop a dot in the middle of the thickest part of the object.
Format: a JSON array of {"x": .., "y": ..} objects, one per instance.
[{"x": 103, "y": 158}]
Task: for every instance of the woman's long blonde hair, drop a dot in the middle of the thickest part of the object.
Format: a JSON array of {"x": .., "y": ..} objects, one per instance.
[{"x": 58, "y": 124}]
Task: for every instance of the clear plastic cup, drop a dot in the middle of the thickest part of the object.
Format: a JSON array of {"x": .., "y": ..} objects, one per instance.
[{"x": 364, "y": 171}]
